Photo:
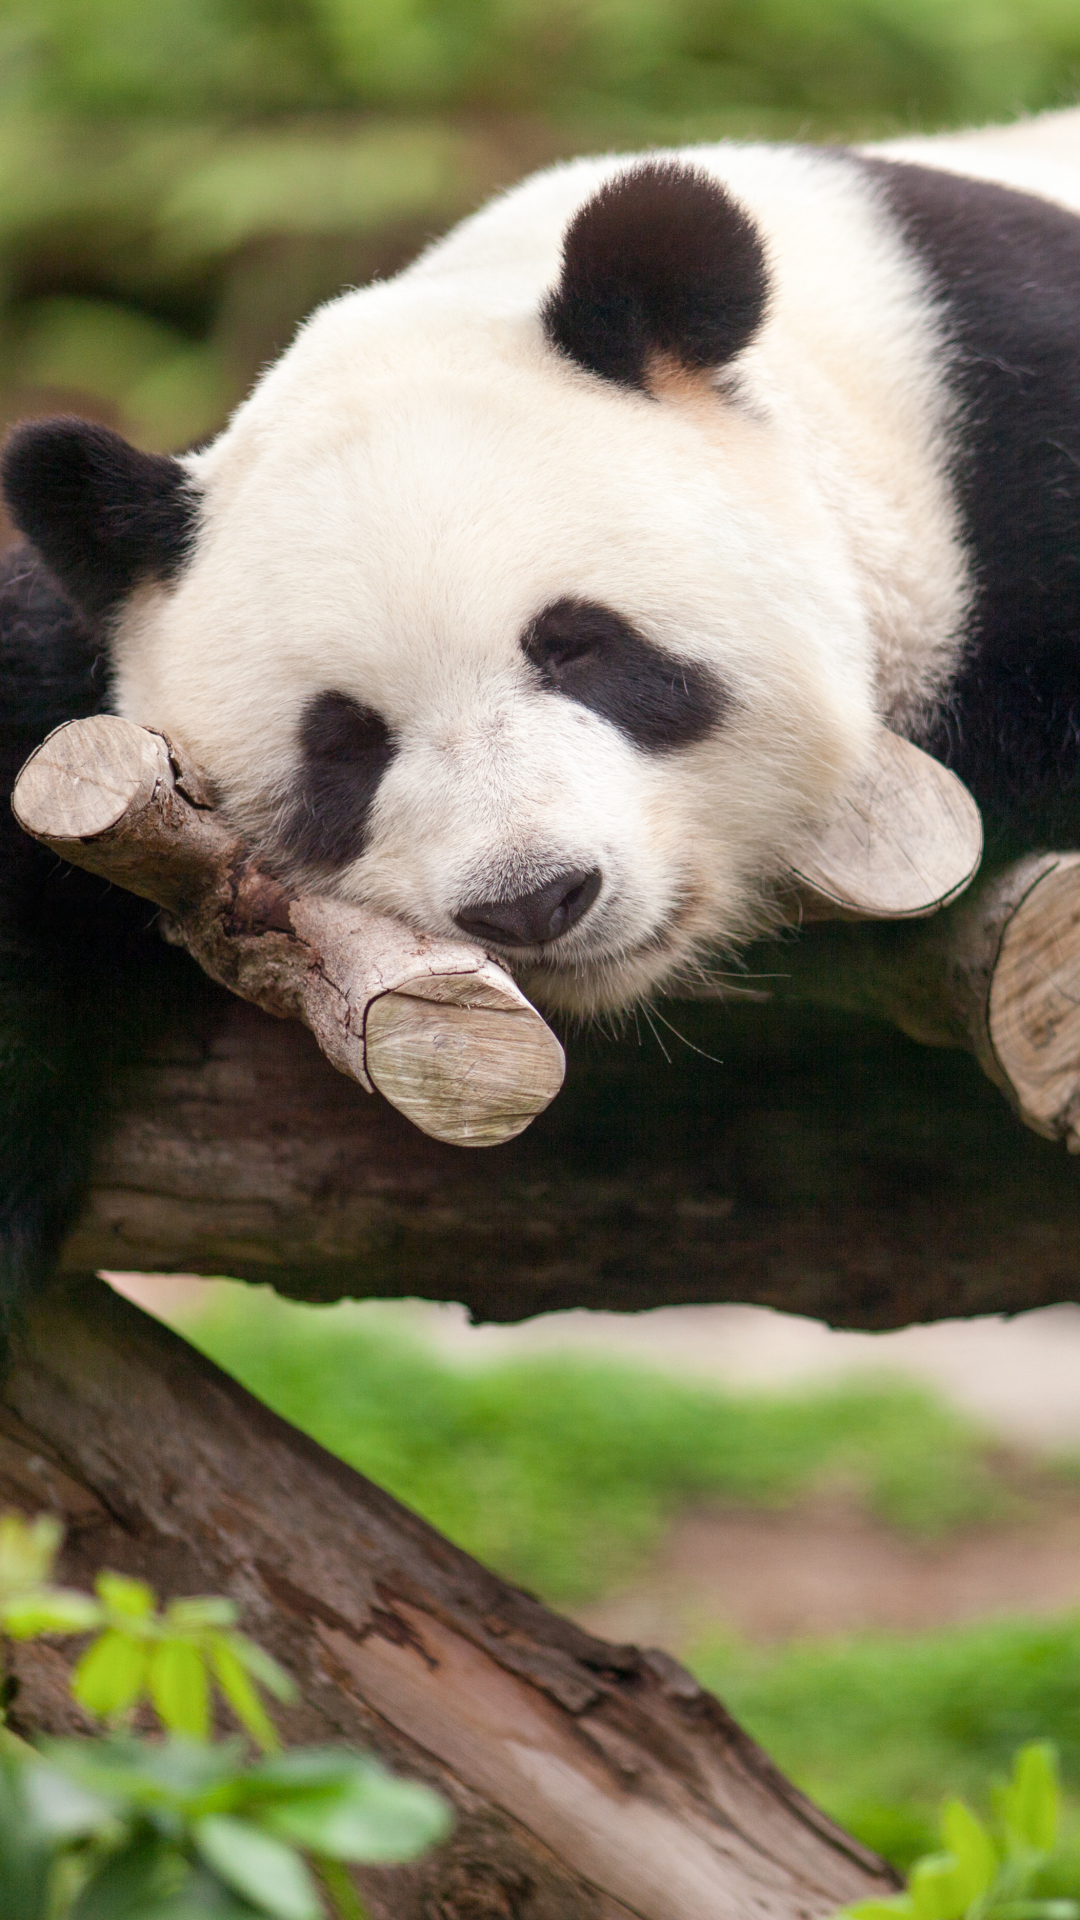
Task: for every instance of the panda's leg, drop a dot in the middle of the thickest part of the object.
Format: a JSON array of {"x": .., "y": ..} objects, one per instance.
[
  {"x": 50, "y": 1097},
  {"x": 65, "y": 942}
]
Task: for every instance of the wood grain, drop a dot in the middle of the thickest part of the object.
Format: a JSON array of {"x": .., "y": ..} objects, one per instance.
[
  {"x": 903, "y": 842},
  {"x": 1033, "y": 1009}
]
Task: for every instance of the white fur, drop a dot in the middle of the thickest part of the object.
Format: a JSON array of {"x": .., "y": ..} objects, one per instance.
[{"x": 421, "y": 473}]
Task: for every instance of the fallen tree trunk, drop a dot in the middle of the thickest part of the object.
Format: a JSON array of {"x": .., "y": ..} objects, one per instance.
[
  {"x": 803, "y": 1158},
  {"x": 590, "y": 1782}
]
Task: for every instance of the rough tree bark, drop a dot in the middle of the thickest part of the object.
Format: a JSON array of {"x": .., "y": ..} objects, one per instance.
[
  {"x": 805, "y": 1158},
  {"x": 591, "y": 1782}
]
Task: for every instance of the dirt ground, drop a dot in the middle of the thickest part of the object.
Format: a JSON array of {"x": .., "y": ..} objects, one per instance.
[
  {"x": 823, "y": 1567},
  {"x": 1020, "y": 1377}
]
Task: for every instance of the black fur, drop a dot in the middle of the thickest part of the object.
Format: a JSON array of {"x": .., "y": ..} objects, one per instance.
[
  {"x": 1006, "y": 267},
  {"x": 592, "y": 655},
  {"x": 661, "y": 261},
  {"x": 345, "y": 750},
  {"x": 103, "y": 516},
  {"x": 84, "y": 979}
]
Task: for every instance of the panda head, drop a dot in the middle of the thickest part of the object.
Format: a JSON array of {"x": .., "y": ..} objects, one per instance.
[{"x": 518, "y": 619}]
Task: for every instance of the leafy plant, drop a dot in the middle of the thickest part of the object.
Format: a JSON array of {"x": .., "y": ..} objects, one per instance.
[
  {"x": 980, "y": 1874},
  {"x": 879, "y": 1728},
  {"x": 179, "y": 1828}
]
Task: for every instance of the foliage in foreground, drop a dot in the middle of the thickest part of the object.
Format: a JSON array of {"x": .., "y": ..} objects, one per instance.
[
  {"x": 991, "y": 1871},
  {"x": 180, "y": 1827},
  {"x": 561, "y": 1471},
  {"x": 879, "y": 1728}
]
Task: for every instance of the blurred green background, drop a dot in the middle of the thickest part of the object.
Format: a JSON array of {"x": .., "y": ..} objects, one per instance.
[
  {"x": 569, "y": 1471},
  {"x": 182, "y": 180}
]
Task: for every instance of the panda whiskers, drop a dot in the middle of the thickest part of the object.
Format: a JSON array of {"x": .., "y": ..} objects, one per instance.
[{"x": 716, "y": 1061}]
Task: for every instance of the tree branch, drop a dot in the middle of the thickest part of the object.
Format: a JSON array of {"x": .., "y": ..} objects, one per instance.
[{"x": 441, "y": 1030}]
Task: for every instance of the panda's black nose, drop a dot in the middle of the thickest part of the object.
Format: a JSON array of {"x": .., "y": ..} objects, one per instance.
[{"x": 532, "y": 919}]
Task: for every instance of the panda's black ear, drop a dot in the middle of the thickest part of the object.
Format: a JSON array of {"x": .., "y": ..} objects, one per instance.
[
  {"x": 660, "y": 263},
  {"x": 102, "y": 515}
]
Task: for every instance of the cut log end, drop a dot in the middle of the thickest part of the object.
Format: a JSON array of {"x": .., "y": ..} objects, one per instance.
[
  {"x": 905, "y": 842},
  {"x": 472, "y": 1076},
  {"x": 1034, "y": 1003},
  {"x": 87, "y": 777}
]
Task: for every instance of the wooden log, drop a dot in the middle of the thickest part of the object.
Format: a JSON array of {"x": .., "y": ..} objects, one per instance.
[
  {"x": 800, "y": 1156},
  {"x": 999, "y": 975},
  {"x": 435, "y": 1025},
  {"x": 904, "y": 841},
  {"x": 589, "y": 1781}
]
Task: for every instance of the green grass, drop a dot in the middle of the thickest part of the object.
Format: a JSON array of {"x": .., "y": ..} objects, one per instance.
[
  {"x": 879, "y": 1729},
  {"x": 562, "y": 1471}
]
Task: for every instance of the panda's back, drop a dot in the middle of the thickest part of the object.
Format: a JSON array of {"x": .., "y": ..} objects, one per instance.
[{"x": 995, "y": 226}]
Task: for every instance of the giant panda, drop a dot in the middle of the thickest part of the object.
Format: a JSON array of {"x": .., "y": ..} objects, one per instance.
[{"x": 545, "y": 592}]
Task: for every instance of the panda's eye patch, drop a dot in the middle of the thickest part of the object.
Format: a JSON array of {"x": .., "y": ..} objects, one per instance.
[
  {"x": 344, "y": 751},
  {"x": 593, "y": 655}
]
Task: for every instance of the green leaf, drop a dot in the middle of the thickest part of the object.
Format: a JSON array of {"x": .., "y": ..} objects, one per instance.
[
  {"x": 972, "y": 1848},
  {"x": 204, "y": 1897},
  {"x": 198, "y": 1615},
  {"x": 177, "y": 1773},
  {"x": 125, "y": 1599},
  {"x": 272, "y": 1876},
  {"x": 1032, "y": 1910},
  {"x": 263, "y": 1668},
  {"x": 59, "y": 1806},
  {"x": 111, "y": 1675},
  {"x": 935, "y": 1888},
  {"x": 1030, "y": 1804},
  {"x": 877, "y": 1909},
  {"x": 345, "y": 1902},
  {"x": 133, "y": 1883},
  {"x": 179, "y": 1688},
  {"x": 48, "y": 1610},
  {"x": 25, "y": 1853},
  {"x": 28, "y": 1550},
  {"x": 304, "y": 1769},
  {"x": 369, "y": 1816},
  {"x": 241, "y": 1695}
]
